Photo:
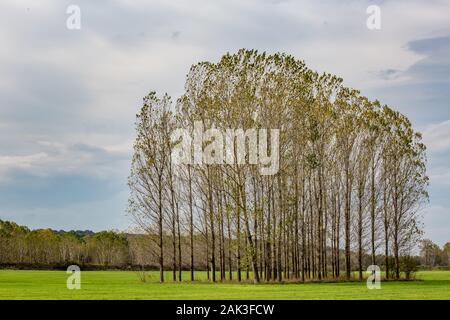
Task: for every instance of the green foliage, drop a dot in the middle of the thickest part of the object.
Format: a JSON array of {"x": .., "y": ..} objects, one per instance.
[
  {"x": 11, "y": 229},
  {"x": 409, "y": 266},
  {"x": 22, "y": 246},
  {"x": 331, "y": 139}
]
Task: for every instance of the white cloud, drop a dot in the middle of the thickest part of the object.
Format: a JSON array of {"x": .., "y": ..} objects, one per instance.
[
  {"x": 27, "y": 162},
  {"x": 437, "y": 137},
  {"x": 63, "y": 159},
  {"x": 68, "y": 99}
]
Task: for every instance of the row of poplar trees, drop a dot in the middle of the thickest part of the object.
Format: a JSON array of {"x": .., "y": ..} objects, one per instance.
[{"x": 351, "y": 180}]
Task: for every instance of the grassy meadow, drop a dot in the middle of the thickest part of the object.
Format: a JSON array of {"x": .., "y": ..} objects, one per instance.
[{"x": 25, "y": 284}]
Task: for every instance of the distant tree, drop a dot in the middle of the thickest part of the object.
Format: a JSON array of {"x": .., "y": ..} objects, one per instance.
[
  {"x": 108, "y": 248},
  {"x": 446, "y": 254},
  {"x": 430, "y": 253}
]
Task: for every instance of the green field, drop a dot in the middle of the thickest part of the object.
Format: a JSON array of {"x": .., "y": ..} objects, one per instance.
[{"x": 126, "y": 285}]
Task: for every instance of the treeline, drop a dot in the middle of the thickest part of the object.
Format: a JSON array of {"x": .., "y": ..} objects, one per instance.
[
  {"x": 431, "y": 255},
  {"x": 21, "y": 247},
  {"x": 351, "y": 179},
  {"x": 46, "y": 248},
  {"x": 49, "y": 249}
]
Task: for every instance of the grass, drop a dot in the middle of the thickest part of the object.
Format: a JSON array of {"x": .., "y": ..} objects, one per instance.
[{"x": 24, "y": 284}]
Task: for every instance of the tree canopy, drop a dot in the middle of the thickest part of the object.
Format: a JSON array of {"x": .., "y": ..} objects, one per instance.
[{"x": 350, "y": 183}]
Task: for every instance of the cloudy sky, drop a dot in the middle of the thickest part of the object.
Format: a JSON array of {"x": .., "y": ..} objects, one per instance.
[{"x": 68, "y": 98}]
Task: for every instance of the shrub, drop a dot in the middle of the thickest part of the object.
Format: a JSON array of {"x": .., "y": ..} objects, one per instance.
[{"x": 409, "y": 265}]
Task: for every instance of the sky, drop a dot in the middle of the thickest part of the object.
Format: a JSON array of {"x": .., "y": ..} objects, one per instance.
[{"x": 69, "y": 97}]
